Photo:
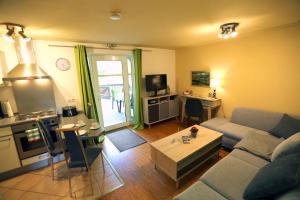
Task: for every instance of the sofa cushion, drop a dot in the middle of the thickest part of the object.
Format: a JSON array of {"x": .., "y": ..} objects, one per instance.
[
  {"x": 249, "y": 158},
  {"x": 258, "y": 144},
  {"x": 287, "y": 147},
  {"x": 214, "y": 123},
  {"x": 275, "y": 178},
  {"x": 290, "y": 195},
  {"x": 199, "y": 190},
  {"x": 286, "y": 127},
  {"x": 235, "y": 131},
  {"x": 230, "y": 176},
  {"x": 228, "y": 142},
  {"x": 254, "y": 118}
]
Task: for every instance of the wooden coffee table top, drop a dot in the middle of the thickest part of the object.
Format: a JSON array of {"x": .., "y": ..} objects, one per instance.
[{"x": 173, "y": 147}]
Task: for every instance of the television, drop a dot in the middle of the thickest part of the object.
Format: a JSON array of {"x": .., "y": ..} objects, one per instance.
[
  {"x": 200, "y": 78},
  {"x": 155, "y": 82}
]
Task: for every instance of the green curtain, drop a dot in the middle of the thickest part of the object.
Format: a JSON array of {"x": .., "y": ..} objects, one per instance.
[
  {"x": 85, "y": 83},
  {"x": 138, "y": 109}
]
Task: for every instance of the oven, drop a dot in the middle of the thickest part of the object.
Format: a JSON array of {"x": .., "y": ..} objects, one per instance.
[{"x": 28, "y": 139}]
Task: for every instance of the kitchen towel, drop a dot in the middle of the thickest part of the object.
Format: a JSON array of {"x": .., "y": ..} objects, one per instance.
[{"x": 33, "y": 135}]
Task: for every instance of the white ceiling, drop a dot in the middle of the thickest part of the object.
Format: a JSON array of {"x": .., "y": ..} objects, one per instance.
[{"x": 157, "y": 23}]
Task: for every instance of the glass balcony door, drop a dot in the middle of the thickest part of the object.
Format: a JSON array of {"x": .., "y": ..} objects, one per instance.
[{"x": 113, "y": 88}]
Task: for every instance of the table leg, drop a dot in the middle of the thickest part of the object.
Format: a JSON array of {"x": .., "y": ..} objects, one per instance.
[
  {"x": 183, "y": 110},
  {"x": 209, "y": 113},
  {"x": 177, "y": 184},
  {"x": 119, "y": 105}
]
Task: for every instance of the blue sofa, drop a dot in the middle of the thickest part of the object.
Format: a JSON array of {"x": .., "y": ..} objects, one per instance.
[
  {"x": 229, "y": 178},
  {"x": 243, "y": 121}
]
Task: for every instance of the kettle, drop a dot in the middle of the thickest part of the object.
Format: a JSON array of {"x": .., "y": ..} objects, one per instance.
[
  {"x": 8, "y": 109},
  {"x": 1, "y": 111},
  {"x": 69, "y": 111}
]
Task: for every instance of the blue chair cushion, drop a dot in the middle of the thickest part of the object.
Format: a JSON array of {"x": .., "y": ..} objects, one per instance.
[
  {"x": 275, "y": 178},
  {"x": 91, "y": 154}
]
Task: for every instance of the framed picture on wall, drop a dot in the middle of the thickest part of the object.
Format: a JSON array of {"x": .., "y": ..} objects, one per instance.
[{"x": 200, "y": 78}]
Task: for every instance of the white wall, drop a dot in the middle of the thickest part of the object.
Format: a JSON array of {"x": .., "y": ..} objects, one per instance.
[
  {"x": 66, "y": 82},
  {"x": 260, "y": 71},
  {"x": 160, "y": 61},
  {"x": 8, "y": 59}
]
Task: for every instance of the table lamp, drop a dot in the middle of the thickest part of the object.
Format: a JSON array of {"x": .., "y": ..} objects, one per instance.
[{"x": 214, "y": 83}]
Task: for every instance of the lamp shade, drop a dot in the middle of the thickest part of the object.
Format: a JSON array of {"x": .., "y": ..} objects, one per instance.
[{"x": 214, "y": 83}]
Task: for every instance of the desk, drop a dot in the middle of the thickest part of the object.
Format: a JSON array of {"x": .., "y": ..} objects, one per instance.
[{"x": 208, "y": 103}]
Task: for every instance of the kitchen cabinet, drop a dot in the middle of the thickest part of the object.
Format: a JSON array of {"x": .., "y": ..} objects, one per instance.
[{"x": 9, "y": 158}]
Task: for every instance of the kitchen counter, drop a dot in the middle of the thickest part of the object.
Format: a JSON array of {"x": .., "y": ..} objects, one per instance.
[{"x": 6, "y": 122}]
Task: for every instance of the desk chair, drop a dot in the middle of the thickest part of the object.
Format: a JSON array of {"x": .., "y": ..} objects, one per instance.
[
  {"x": 54, "y": 149},
  {"x": 193, "y": 108},
  {"x": 77, "y": 156}
]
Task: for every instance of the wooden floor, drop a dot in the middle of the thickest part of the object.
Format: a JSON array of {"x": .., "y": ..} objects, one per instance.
[{"x": 142, "y": 181}]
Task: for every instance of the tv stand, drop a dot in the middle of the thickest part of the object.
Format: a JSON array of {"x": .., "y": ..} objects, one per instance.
[{"x": 160, "y": 108}]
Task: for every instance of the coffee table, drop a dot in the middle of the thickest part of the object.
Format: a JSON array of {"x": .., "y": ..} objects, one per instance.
[{"x": 177, "y": 159}]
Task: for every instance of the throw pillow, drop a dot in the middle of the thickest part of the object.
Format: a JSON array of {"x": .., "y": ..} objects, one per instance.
[
  {"x": 286, "y": 127},
  {"x": 275, "y": 178},
  {"x": 259, "y": 144},
  {"x": 287, "y": 147}
]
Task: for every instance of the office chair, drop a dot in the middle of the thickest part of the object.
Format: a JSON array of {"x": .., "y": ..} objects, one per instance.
[{"x": 193, "y": 108}]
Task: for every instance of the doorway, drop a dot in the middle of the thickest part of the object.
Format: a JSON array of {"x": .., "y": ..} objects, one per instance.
[{"x": 112, "y": 79}]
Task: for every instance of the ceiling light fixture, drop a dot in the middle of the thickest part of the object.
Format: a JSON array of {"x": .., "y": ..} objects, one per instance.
[
  {"x": 115, "y": 15},
  {"x": 13, "y": 31},
  {"x": 22, "y": 34},
  {"x": 9, "y": 35},
  {"x": 228, "y": 30}
]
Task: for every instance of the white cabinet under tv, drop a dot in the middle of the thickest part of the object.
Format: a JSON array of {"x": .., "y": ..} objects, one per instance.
[{"x": 160, "y": 108}]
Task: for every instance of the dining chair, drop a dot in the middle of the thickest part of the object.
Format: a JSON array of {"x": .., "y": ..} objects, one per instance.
[
  {"x": 78, "y": 157},
  {"x": 53, "y": 148},
  {"x": 194, "y": 108}
]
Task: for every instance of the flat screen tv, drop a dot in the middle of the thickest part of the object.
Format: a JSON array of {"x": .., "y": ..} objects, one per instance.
[
  {"x": 200, "y": 78},
  {"x": 155, "y": 82}
]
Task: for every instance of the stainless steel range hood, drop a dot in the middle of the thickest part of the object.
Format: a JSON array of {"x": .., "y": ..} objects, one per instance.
[
  {"x": 26, "y": 69},
  {"x": 26, "y": 72}
]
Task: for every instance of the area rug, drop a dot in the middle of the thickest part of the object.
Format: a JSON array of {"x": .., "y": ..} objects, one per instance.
[{"x": 125, "y": 139}]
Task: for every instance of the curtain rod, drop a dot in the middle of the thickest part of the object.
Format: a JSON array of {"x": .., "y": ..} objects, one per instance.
[{"x": 91, "y": 47}]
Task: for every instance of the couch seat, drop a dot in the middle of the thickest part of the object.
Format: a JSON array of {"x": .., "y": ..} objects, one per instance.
[
  {"x": 230, "y": 176},
  {"x": 235, "y": 131},
  {"x": 199, "y": 190}
]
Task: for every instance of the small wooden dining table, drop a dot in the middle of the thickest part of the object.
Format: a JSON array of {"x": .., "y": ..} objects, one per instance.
[{"x": 90, "y": 134}]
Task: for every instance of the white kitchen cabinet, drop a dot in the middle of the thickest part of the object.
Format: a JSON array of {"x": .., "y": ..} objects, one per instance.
[{"x": 9, "y": 158}]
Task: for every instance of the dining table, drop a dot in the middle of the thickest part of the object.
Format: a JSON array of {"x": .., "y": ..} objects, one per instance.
[{"x": 87, "y": 126}]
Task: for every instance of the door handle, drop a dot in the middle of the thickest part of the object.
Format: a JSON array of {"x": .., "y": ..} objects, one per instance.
[{"x": 8, "y": 139}]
